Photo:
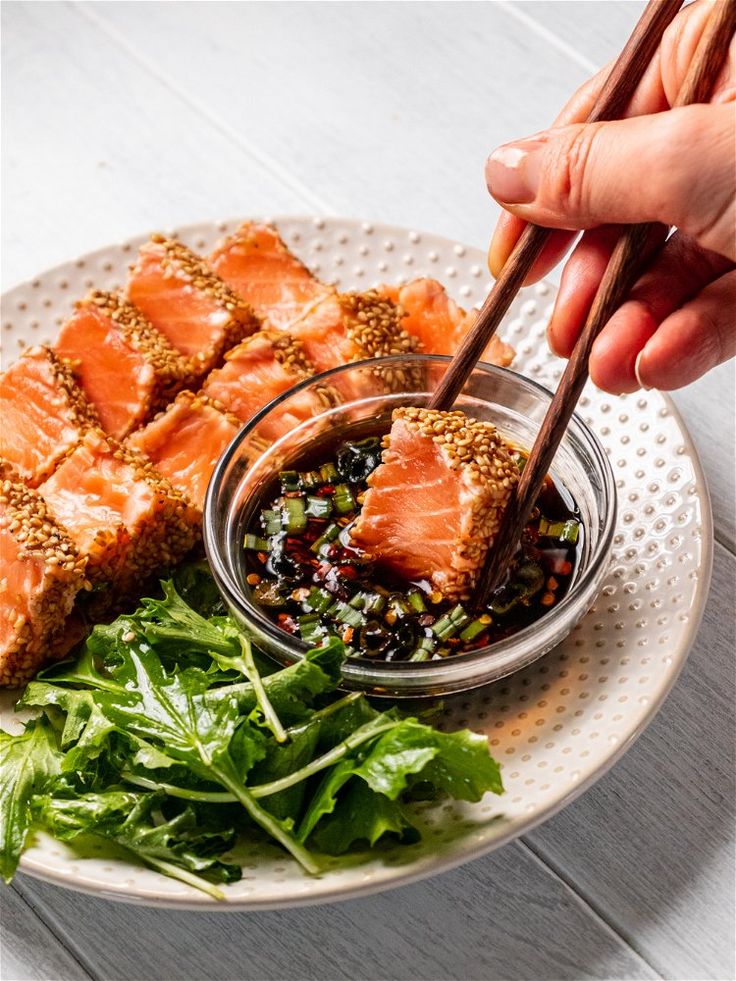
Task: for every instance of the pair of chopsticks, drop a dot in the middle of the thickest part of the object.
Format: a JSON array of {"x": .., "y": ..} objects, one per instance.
[{"x": 623, "y": 268}]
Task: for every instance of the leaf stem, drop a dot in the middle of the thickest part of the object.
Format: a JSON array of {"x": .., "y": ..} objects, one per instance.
[
  {"x": 267, "y": 821},
  {"x": 274, "y": 723},
  {"x": 176, "y": 872},
  {"x": 328, "y": 710},
  {"x": 240, "y": 795},
  {"x": 332, "y": 756},
  {"x": 204, "y": 796}
]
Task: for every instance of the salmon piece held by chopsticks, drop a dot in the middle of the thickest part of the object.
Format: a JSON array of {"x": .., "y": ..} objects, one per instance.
[
  {"x": 128, "y": 370},
  {"x": 43, "y": 414},
  {"x": 258, "y": 266},
  {"x": 185, "y": 442},
  {"x": 193, "y": 308},
  {"x": 435, "y": 502},
  {"x": 41, "y": 573}
]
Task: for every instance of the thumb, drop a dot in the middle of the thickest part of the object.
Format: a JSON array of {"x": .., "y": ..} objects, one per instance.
[{"x": 675, "y": 167}]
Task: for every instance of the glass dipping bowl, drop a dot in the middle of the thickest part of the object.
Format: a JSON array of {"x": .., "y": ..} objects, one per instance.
[{"x": 370, "y": 391}]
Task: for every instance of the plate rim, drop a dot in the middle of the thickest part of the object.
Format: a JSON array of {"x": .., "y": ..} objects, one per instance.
[{"x": 467, "y": 853}]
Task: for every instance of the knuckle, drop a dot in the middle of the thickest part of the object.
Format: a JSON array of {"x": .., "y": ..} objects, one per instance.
[
  {"x": 718, "y": 329},
  {"x": 693, "y": 188},
  {"x": 568, "y": 176},
  {"x": 690, "y": 126}
]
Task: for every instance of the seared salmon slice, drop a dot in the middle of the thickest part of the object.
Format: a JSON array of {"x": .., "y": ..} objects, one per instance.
[
  {"x": 128, "y": 370},
  {"x": 434, "y": 503},
  {"x": 185, "y": 442},
  {"x": 43, "y": 413},
  {"x": 349, "y": 327},
  {"x": 195, "y": 310},
  {"x": 124, "y": 517},
  {"x": 40, "y": 575},
  {"x": 262, "y": 367},
  {"x": 438, "y": 323},
  {"x": 256, "y": 263}
]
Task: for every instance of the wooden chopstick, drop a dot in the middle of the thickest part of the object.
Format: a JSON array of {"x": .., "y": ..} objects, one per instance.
[
  {"x": 619, "y": 277},
  {"x": 612, "y": 100}
]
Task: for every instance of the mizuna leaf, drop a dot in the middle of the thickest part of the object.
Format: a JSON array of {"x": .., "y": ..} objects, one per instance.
[{"x": 28, "y": 762}]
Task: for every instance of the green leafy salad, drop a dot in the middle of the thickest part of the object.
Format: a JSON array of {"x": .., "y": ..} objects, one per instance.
[{"x": 170, "y": 737}]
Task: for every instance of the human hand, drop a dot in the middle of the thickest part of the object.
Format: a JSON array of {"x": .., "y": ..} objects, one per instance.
[{"x": 673, "y": 166}]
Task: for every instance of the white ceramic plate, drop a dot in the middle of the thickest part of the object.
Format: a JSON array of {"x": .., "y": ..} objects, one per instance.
[{"x": 557, "y": 726}]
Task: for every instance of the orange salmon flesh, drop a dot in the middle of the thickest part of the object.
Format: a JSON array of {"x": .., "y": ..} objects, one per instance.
[
  {"x": 264, "y": 366},
  {"x": 127, "y": 369},
  {"x": 240, "y": 328},
  {"x": 43, "y": 414},
  {"x": 195, "y": 311},
  {"x": 438, "y": 323},
  {"x": 259, "y": 267},
  {"x": 185, "y": 442}
]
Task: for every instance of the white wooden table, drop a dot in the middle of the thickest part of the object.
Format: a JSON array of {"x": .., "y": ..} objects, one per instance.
[{"x": 122, "y": 117}]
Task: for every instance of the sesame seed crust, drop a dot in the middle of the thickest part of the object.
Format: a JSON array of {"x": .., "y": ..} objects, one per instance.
[
  {"x": 170, "y": 529},
  {"x": 181, "y": 263},
  {"x": 28, "y": 636},
  {"x": 466, "y": 442},
  {"x": 80, "y": 410},
  {"x": 184, "y": 263},
  {"x": 290, "y": 353},
  {"x": 374, "y": 325},
  {"x": 173, "y": 371},
  {"x": 206, "y": 400}
]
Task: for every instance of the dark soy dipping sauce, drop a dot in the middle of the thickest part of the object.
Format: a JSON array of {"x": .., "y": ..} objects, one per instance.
[{"x": 312, "y": 583}]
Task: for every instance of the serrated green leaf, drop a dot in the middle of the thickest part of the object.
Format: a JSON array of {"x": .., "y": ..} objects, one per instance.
[
  {"x": 28, "y": 762},
  {"x": 171, "y": 621},
  {"x": 135, "y": 822},
  {"x": 362, "y": 815},
  {"x": 457, "y": 762},
  {"x": 396, "y": 755},
  {"x": 463, "y": 767}
]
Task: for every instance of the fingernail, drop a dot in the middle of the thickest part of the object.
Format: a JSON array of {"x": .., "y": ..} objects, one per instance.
[
  {"x": 497, "y": 256},
  {"x": 513, "y": 171},
  {"x": 637, "y": 372}
]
